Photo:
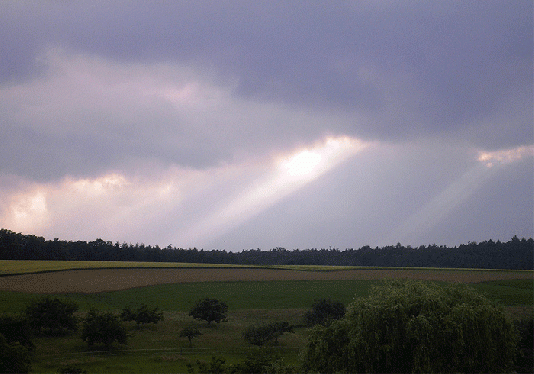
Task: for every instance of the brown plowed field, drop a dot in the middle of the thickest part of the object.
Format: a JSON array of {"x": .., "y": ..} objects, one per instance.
[{"x": 101, "y": 280}]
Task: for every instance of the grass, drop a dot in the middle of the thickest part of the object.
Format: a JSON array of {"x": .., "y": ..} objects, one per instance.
[{"x": 179, "y": 297}]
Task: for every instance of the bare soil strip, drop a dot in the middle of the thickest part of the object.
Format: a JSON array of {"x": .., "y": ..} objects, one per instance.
[{"x": 102, "y": 280}]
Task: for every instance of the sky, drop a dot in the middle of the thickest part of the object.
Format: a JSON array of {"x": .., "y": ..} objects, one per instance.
[{"x": 235, "y": 124}]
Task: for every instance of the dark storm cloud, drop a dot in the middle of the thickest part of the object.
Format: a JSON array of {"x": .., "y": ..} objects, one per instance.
[{"x": 404, "y": 69}]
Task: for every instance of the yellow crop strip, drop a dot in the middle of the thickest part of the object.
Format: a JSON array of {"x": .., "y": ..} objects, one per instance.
[{"x": 10, "y": 267}]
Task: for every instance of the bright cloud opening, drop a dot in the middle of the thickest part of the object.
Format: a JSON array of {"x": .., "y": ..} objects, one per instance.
[{"x": 505, "y": 156}]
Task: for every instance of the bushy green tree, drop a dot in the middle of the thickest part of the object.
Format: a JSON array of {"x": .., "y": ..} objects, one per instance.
[
  {"x": 324, "y": 311},
  {"x": 415, "y": 327},
  {"x": 142, "y": 315},
  {"x": 103, "y": 328},
  {"x": 14, "y": 358},
  {"x": 209, "y": 310},
  {"x": 52, "y": 316}
]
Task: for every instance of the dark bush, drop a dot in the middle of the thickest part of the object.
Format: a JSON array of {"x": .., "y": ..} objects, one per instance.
[
  {"x": 525, "y": 345},
  {"x": 16, "y": 330},
  {"x": 209, "y": 310},
  {"x": 259, "y": 335},
  {"x": 14, "y": 358},
  {"x": 103, "y": 328},
  {"x": 143, "y": 315},
  {"x": 324, "y": 311},
  {"x": 52, "y": 316}
]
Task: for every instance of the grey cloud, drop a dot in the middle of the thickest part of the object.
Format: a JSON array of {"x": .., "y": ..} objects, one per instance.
[{"x": 401, "y": 69}]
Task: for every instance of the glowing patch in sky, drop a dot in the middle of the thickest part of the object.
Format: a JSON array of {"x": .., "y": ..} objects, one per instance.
[
  {"x": 291, "y": 172},
  {"x": 505, "y": 156},
  {"x": 29, "y": 210},
  {"x": 303, "y": 163}
]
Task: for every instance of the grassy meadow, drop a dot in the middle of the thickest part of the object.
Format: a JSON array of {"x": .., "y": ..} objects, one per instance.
[{"x": 158, "y": 348}]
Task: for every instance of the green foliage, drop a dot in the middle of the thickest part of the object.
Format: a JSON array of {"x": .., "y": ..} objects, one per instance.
[
  {"x": 324, "y": 311},
  {"x": 209, "y": 310},
  {"x": 142, "y": 315},
  {"x": 261, "y": 334},
  {"x": 103, "y": 328},
  {"x": 52, "y": 316},
  {"x": 525, "y": 345},
  {"x": 415, "y": 327},
  {"x": 190, "y": 333},
  {"x": 16, "y": 330},
  {"x": 14, "y": 358}
]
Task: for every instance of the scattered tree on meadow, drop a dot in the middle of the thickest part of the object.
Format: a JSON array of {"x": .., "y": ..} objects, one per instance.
[
  {"x": 103, "y": 328},
  {"x": 52, "y": 316},
  {"x": 190, "y": 333},
  {"x": 14, "y": 358},
  {"x": 142, "y": 315},
  {"x": 259, "y": 335},
  {"x": 209, "y": 310},
  {"x": 415, "y": 327},
  {"x": 324, "y": 311},
  {"x": 17, "y": 330}
]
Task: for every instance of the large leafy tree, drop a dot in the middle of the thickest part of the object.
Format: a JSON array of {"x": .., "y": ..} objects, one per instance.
[
  {"x": 210, "y": 310},
  {"x": 52, "y": 316},
  {"x": 415, "y": 327}
]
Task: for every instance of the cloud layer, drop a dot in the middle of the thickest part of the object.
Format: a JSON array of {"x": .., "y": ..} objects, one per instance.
[{"x": 153, "y": 121}]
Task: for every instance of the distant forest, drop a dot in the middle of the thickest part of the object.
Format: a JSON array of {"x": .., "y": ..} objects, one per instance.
[{"x": 514, "y": 254}]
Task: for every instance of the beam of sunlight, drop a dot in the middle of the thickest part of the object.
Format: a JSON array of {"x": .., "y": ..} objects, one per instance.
[
  {"x": 290, "y": 172},
  {"x": 457, "y": 192}
]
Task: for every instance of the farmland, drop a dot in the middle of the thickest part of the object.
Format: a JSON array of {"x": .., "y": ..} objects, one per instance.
[{"x": 253, "y": 294}]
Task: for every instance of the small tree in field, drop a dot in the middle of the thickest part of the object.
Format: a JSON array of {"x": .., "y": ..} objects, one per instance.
[
  {"x": 52, "y": 316},
  {"x": 190, "y": 333},
  {"x": 103, "y": 328},
  {"x": 209, "y": 310},
  {"x": 415, "y": 327},
  {"x": 142, "y": 315}
]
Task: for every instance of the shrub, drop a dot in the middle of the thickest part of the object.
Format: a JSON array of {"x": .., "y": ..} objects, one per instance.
[
  {"x": 52, "y": 316},
  {"x": 415, "y": 327},
  {"x": 259, "y": 335},
  {"x": 324, "y": 311},
  {"x": 103, "y": 328},
  {"x": 525, "y": 345},
  {"x": 14, "y": 358},
  {"x": 16, "y": 330},
  {"x": 71, "y": 369},
  {"x": 142, "y": 315},
  {"x": 209, "y": 310}
]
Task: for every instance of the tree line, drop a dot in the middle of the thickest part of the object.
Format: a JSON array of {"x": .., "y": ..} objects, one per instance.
[{"x": 513, "y": 254}]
